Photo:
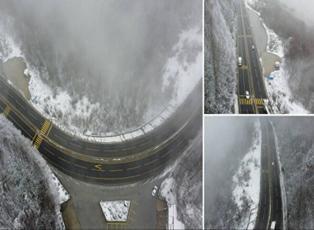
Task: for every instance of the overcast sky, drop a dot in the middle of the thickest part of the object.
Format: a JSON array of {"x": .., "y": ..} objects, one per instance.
[{"x": 304, "y": 9}]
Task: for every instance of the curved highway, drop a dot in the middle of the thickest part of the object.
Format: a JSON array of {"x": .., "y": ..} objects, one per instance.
[{"x": 110, "y": 163}]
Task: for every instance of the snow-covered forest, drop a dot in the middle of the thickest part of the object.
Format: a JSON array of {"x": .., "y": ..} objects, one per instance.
[
  {"x": 220, "y": 55},
  {"x": 27, "y": 200},
  {"x": 295, "y": 141}
]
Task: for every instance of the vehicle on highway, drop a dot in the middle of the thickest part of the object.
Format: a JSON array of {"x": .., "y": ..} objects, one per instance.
[
  {"x": 273, "y": 225},
  {"x": 253, "y": 47},
  {"x": 240, "y": 61},
  {"x": 247, "y": 95},
  {"x": 155, "y": 189}
]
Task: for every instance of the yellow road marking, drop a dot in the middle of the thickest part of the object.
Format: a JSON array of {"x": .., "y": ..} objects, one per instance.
[
  {"x": 113, "y": 226},
  {"x": 98, "y": 167},
  {"x": 46, "y": 127},
  {"x": 251, "y": 101},
  {"x": 6, "y": 111},
  {"x": 44, "y": 131},
  {"x": 38, "y": 141}
]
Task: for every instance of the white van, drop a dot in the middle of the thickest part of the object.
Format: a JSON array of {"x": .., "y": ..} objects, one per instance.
[{"x": 240, "y": 61}]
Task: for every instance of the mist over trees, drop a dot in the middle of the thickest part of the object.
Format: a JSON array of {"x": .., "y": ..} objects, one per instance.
[
  {"x": 227, "y": 140},
  {"x": 113, "y": 52}
]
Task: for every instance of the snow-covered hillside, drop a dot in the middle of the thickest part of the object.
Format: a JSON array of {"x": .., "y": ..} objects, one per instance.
[
  {"x": 220, "y": 56},
  {"x": 30, "y": 195},
  {"x": 182, "y": 188},
  {"x": 247, "y": 184},
  {"x": 295, "y": 142}
]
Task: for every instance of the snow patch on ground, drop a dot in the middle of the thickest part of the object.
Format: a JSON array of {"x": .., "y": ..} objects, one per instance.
[
  {"x": 115, "y": 211},
  {"x": 280, "y": 97},
  {"x": 185, "y": 67},
  {"x": 274, "y": 43},
  {"x": 167, "y": 191},
  {"x": 247, "y": 183}
]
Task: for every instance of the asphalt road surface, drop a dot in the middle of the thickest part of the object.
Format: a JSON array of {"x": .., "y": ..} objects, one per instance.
[
  {"x": 270, "y": 205},
  {"x": 251, "y": 89},
  {"x": 110, "y": 163}
]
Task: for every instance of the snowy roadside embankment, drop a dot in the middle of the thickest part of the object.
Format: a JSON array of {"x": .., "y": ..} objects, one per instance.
[
  {"x": 167, "y": 190},
  {"x": 280, "y": 97},
  {"x": 31, "y": 195},
  {"x": 274, "y": 43},
  {"x": 182, "y": 188},
  {"x": 247, "y": 183}
]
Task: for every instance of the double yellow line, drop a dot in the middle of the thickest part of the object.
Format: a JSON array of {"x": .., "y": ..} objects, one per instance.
[{"x": 44, "y": 131}]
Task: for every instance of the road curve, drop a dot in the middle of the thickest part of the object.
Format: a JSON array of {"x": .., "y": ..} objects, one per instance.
[{"x": 110, "y": 163}]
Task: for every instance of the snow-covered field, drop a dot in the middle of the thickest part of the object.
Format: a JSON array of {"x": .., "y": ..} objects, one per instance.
[
  {"x": 247, "y": 183},
  {"x": 115, "y": 211}
]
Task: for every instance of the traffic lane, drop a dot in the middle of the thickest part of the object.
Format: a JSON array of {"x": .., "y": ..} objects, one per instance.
[
  {"x": 246, "y": 109},
  {"x": 264, "y": 205},
  {"x": 276, "y": 201},
  {"x": 22, "y": 125},
  {"x": 20, "y": 103},
  {"x": 79, "y": 145},
  {"x": 256, "y": 71},
  {"x": 159, "y": 134},
  {"x": 2, "y": 106},
  {"x": 86, "y": 198},
  {"x": 122, "y": 172}
]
